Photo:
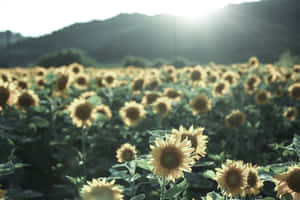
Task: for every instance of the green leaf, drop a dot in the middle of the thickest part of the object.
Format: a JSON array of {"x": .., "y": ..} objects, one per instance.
[
  {"x": 142, "y": 163},
  {"x": 209, "y": 174},
  {"x": 138, "y": 197},
  {"x": 176, "y": 190},
  {"x": 40, "y": 122}
]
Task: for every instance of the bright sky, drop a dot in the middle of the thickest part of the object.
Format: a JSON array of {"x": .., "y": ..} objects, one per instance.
[{"x": 38, "y": 17}]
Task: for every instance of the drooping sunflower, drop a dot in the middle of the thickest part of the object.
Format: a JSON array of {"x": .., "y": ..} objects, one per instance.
[
  {"x": 82, "y": 81},
  {"x": 235, "y": 119},
  {"x": 198, "y": 140},
  {"x": 172, "y": 94},
  {"x": 104, "y": 110},
  {"x": 82, "y": 113},
  {"x": 200, "y": 104},
  {"x": 26, "y": 99},
  {"x": 294, "y": 91},
  {"x": 288, "y": 183},
  {"x": 291, "y": 113},
  {"x": 170, "y": 157},
  {"x": 101, "y": 190},
  {"x": 126, "y": 152},
  {"x": 8, "y": 94},
  {"x": 254, "y": 184},
  {"x": 150, "y": 98},
  {"x": 232, "y": 178},
  {"x": 132, "y": 113},
  {"x": 137, "y": 85},
  {"x": 162, "y": 106},
  {"x": 220, "y": 88},
  {"x": 262, "y": 97}
]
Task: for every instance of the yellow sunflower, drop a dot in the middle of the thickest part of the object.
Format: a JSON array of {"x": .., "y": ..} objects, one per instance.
[
  {"x": 253, "y": 62},
  {"x": 82, "y": 81},
  {"x": 235, "y": 119},
  {"x": 153, "y": 83},
  {"x": 200, "y": 104},
  {"x": 232, "y": 178},
  {"x": 132, "y": 113},
  {"x": 8, "y": 94},
  {"x": 262, "y": 97},
  {"x": 162, "y": 106},
  {"x": 137, "y": 85},
  {"x": 100, "y": 82},
  {"x": 288, "y": 183},
  {"x": 22, "y": 84},
  {"x": 252, "y": 84},
  {"x": 254, "y": 184},
  {"x": 197, "y": 75},
  {"x": 294, "y": 91},
  {"x": 296, "y": 69},
  {"x": 101, "y": 190},
  {"x": 104, "y": 110},
  {"x": 291, "y": 113},
  {"x": 76, "y": 68},
  {"x": 170, "y": 157},
  {"x": 126, "y": 152},
  {"x": 172, "y": 94},
  {"x": 82, "y": 113},
  {"x": 220, "y": 88},
  {"x": 63, "y": 82},
  {"x": 198, "y": 140},
  {"x": 150, "y": 98},
  {"x": 26, "y": 99},
  {"x": 40, "y": 83},
  {"x": 109, "y": 79},
  {"x": 231, "y": 77}
]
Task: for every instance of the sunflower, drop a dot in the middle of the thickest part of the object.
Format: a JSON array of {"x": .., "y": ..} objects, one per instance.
[
  {"x": 132, "y": 113},
  {"x": 101, "y": 190},
  {"x": 232, "y": 178},
  {"x": 5, "y": 76},
  {"x": 200, "y": 104},
  {"x": 109, "y": 79},
  {"x": 288, "y": 182},
  {"x": 220, "y": 88},
  {"x": 40, "y": 83},
  {"x": 27, "y": 98},
  {"x": 291, "y": 113},
  {"x": 198, "y": 140},
  {"x": 213, "y": 77},
  {"x": 100, "y": 82},
  {"x": 172, "y": 94},
  {"x": 170, "y": 78},
  {"x": 137, "y": 85},
  {"x": 76, "y": 68},
  {"x": 252, "y": 84},
  {"x": 197, "y": 75},
  {"x": 296, "y": 69},
  {"x": 235, "y": 119},
  {"x": 253, "y": 62},
  {"x": 126, "y": 152},
  {"x": 169, "y": 69},
  {"x": 40, "y": 72},
  {"x": 231, "y": 77},
  {"x": 262, "y": 97},
  {"x": 63, "y": 82},
  {"x": 82, "y": 113},
  {"x": 104, "y": 110},
  {"x": 153, "y": 84},
  {"x": 171, "y": 157},
  {"x": 82, "y": 81},
  {"x": 8, "y": 94},
  {"x": 162, "y": 106},
  {"x": 150, "y": 98},
  {"x": 254, "y": 184},
  {"x": 294, "y": 91},
  {"x": 22, "y": 84}
]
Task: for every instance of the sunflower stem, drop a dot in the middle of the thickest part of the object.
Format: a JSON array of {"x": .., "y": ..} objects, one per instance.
[
  {"x": 163, "y": 188},
  {"x": 84, "y": 154}
]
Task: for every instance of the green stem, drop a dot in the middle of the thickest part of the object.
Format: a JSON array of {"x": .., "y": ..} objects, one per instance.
[
  {"x": 163, "y": 188},
  {"x": 84, "y": 153}
]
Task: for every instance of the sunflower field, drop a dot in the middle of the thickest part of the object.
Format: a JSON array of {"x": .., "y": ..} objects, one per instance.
[{"x": 191, "y": 133}]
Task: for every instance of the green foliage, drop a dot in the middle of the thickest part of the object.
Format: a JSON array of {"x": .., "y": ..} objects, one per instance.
[
  {"x": 136, "y": 61},
  {"x": 180, "y": 62},
  {"x": 287, "y": 59},
  {"x": 65, "y": 57}
]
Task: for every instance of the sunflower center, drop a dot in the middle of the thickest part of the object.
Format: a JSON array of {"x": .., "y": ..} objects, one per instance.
[
  {"x": 152, "y": 98},
  {"x": 133, "y": 113},
  {"x": 262, "y": 97},
  {"x": 127, "y": 155},
  {"x": 75, "y": 70},
  {"x": 229, "y": 78},
  {"x": 26, "y": 100},
  {"x": 191, "y": 138},
  {"x": 40, "y": 73},
  {"x": 138, "y": 84},
  {"x": 4, "y": 96},
  {"x": 22, "y": 84},
  {"x": 162, "y": 107},
  {"x": 81, "y": 81},
  {"x": 172, "y": 94},
  {"x": 196, "y": 75},
  {"x": 153, "y": 84},
  {"x": 170, "y": 158},
  {"x": 233, "y": 179},
  {"x": 102, "y": 193},
  {"x": 4, "y": 77},
  {"x": 294, "y": 181},
  {"x": 62, "y": 82},
  {"x": 109, "y": 79},
  {"x": 235, "y": 119},
  {"x": 41, "y": 82},
  {"x": 100, "y": 82},
  {"x": 252, "y": 179},
  {"x": 220, "y": 87},
  {"x": 200, "y": 104},
  {"x": 83, "y": 111},
  {"x": 296, "y": 92}
]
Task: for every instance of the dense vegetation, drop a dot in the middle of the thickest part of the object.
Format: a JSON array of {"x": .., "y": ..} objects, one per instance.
[{"x": 61, "y": 127}]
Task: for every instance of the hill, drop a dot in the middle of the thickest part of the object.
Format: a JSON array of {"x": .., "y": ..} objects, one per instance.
[{"x": 264, "y": 29}]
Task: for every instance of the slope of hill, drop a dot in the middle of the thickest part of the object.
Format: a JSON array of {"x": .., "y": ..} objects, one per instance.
[
  {"x": 7, "y": 37},
  {"x": 264, "y": 29}
]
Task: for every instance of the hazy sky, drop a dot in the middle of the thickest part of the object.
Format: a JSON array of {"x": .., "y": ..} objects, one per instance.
[{"x": 38, "y": 17}]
